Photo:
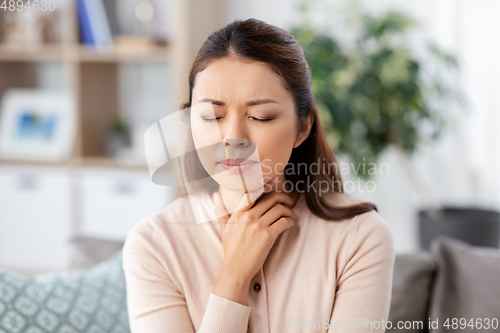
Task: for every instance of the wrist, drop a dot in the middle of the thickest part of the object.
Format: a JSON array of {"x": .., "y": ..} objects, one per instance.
[
  {"x": 234, "y": 280},
  {"x": 232, "y": 287}
]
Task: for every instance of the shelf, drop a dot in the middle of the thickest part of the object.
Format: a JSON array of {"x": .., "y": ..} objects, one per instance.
[
  {"x": 34, "y": 162},
  {"x": 108, "y": 162},
  {"x": 158, "y": 54},
  {"x": 79, "y": 53},
  {"x": 111, "y": 162},
  {"x": 31, "y": 54}
]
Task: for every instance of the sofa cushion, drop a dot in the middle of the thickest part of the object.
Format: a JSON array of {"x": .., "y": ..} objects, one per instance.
[
  {"x": 466, "y": 286},
  {"x": 411, "y": 286},
  {"x": 91, "y": 300},
  {"x": 92, "y": 250}
]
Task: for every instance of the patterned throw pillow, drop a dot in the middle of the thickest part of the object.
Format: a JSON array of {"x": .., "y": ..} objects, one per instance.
[{"x": 90, "y": 301}]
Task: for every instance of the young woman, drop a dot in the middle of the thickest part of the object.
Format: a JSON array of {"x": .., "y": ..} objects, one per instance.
[{"x": 304, "y": 255}]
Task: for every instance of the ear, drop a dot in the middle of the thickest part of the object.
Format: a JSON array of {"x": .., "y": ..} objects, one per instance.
[{"x": 306, "y": 129}]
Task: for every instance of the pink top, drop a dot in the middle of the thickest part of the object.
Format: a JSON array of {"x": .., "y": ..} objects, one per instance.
[{"x": 319, "y": 276}]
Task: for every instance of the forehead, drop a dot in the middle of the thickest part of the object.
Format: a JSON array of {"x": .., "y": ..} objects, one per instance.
[{"x": 235, "y": 78}]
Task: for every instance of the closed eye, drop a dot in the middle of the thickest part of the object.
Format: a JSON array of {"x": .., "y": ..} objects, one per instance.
[
  {"x": 260, "y": 120},
  {"x": 210, "y": 120}
]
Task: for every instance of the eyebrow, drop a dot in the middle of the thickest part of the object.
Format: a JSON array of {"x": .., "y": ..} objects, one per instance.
[{"x": 251, "y": 103}]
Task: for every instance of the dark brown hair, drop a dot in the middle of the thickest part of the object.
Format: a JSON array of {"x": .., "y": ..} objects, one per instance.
[{"x": 255, "y": 40}]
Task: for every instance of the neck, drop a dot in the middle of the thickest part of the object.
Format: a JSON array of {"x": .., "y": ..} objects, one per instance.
[{"x": 232, "y": 198}]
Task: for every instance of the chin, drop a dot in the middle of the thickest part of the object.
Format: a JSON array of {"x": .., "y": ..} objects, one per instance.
[{"x": 253, "y": 181}]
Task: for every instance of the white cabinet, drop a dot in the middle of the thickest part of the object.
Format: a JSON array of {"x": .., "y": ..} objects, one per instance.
[
  {"x": 42, "y": 207},
  {"x": 111, "y": 200},
  {"x": 35, "y": 220}
]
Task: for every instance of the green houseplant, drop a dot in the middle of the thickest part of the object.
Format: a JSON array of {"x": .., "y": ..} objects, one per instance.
[{"x": 376, "y": 94}]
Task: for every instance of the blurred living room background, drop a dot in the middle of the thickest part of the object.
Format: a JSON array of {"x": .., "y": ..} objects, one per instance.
[{"x": 81, "y": 81}]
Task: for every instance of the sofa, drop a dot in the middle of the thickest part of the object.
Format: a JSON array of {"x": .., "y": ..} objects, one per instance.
[
  {"x": 454, "y": 287},
  {"x": 453, "y": 280}
]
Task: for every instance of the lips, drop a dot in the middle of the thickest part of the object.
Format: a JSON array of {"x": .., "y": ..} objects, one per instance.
[{"x": 232, "y": 162}]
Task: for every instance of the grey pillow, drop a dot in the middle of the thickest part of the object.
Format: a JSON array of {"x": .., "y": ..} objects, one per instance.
[
  {"x": 63, "y": 302},
  {"x": 467, "y": 286},
  {"x": 411, "y": 287},
  {"x": 92, "y": 250}
]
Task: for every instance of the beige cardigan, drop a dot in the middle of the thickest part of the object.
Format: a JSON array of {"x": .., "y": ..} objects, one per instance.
[{"x": 319, "y": 275}]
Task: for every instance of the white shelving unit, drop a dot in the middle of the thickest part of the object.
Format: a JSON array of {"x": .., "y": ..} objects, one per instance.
[{"x": 44, "y": 204}]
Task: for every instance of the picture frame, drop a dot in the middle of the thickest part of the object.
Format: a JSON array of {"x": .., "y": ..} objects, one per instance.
[{"x": 36, "y": 124}]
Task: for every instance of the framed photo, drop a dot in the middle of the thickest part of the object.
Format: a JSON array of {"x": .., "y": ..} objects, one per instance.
[{"x": 36, "y": 125}]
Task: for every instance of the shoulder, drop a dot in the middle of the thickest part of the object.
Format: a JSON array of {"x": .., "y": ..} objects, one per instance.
[
  {"x": 144, "y": 233},
  {"x": 366, "y": 240},
  {"x": 177, "y": 211},
  {"x": 368, "y": 220},
  {"x": 145, "y": 240},
  {"x": 372, "y": 227},
  {"x": 368, "y": 230},
  {"x": 180, "y": 210},
  {"x": 343, "y": 199},
  {"x": 172, "y": 224},
  {"x": 372, "y": 237}
]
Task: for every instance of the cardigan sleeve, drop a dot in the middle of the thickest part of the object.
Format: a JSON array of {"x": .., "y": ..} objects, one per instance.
[
  {"x": 364, "y": 286},
  {"x": 154, "y": 302}
]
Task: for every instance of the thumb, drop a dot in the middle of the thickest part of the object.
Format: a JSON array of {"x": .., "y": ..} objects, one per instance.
[
  {"x": 220, "y": 211},
  {"x": 250, "y": 198}
]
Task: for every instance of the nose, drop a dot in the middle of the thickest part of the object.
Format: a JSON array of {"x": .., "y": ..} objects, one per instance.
[
  {"x": 236, "y": 143},
  {"x": 235, "y": 135}
]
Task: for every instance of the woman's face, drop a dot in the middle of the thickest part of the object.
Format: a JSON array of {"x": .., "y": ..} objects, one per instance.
[{"x": 246, "y": 104}]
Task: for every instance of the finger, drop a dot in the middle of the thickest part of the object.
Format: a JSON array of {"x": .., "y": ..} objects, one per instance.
[
  {"x": 281, "y": 225},
  {"x": 269, "y": 200},
  {"x": 275, "y": 213},
  {"x": 251, "y": 198},
  {"x": 247, "y": 201}
]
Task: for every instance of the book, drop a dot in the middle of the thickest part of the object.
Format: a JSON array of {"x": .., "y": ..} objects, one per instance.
[
  {"x": 84, "y": 24},
  {"x": 94, "y": 24},
  {"x": 112, "y": 15}
]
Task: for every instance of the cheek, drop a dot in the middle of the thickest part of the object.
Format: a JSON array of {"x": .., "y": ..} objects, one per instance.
[
  {"x": 275, "y": 147},
  {"x": 205, "y": 134},
  {"x": 198, "y": 135},
  {"x": 207, "y": 141}
]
